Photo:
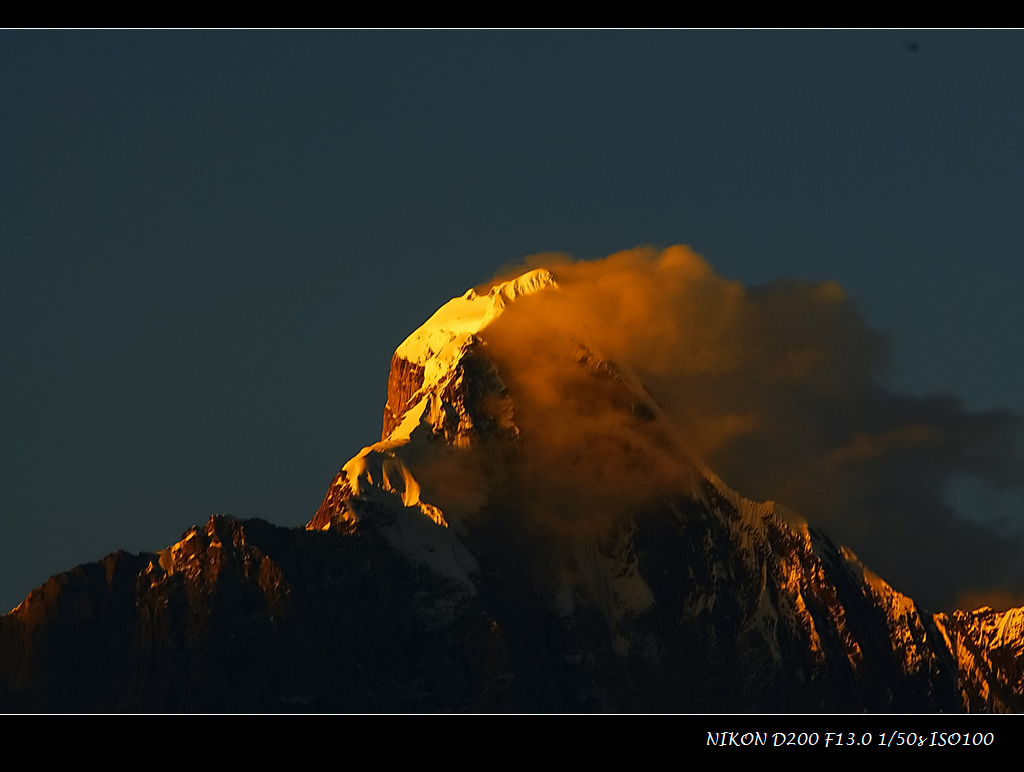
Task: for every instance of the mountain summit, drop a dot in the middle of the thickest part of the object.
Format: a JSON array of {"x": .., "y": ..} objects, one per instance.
[{"x": 532, "y": 532}]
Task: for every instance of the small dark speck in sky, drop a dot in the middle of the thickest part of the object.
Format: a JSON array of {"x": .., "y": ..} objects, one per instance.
[{"x": 911, "y": 45}]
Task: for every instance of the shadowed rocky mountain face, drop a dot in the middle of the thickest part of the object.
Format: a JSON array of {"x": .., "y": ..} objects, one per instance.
[{"x": 444, "y": 572}]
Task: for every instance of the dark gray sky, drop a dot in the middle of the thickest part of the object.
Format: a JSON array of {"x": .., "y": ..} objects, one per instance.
[{"x": 212, "y": 242}]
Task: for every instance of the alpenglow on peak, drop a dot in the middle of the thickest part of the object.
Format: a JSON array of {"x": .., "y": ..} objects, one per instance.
[{"x": 464, "y": 316}]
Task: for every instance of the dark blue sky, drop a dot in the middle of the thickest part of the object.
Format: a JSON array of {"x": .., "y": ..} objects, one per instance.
[{"x": 211, "y": 242}]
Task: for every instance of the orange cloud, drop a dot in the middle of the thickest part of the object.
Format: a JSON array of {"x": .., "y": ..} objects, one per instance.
[{"x": 775, "y": 387}]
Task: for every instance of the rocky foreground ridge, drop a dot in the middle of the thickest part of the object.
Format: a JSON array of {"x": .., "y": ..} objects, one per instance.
[{"x": 399, "y": 596}]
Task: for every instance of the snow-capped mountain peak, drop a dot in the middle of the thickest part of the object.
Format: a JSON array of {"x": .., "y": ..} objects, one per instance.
[
  {"x": 429, "y": 396},
  {"x": 464, "y": 316}
]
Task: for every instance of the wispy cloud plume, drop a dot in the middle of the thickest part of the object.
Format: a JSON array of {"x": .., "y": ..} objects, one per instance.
[{"x": 777, "y": 389}]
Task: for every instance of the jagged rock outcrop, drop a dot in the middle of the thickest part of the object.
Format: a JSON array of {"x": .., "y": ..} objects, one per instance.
[
  {"x": 246, "y": 616},
  {"x": 989, "y": 651}
]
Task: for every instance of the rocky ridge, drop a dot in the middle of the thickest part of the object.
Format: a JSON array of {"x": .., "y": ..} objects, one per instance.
[{"x": 393, "y": 599}]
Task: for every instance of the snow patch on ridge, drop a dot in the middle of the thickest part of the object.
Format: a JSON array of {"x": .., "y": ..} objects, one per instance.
[
  {"x": 379, "y": 476},
  {"x": 612, "y": 582},
  {"x": 379, "y": 473}
]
